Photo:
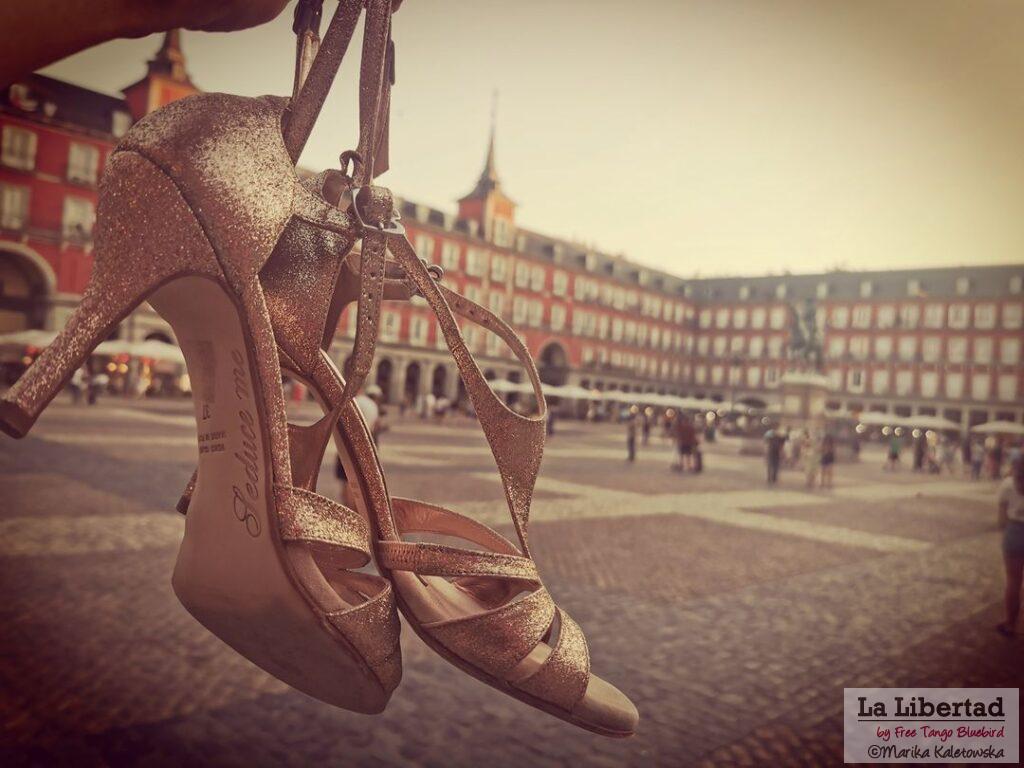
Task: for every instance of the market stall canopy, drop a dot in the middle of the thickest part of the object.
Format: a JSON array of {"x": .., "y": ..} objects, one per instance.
[
  {"x": 152, "y": 349},
  {"x": 31, "y": 338},
  {"x": 999, "y": 428},
  {"x": 874, "y": 419}
]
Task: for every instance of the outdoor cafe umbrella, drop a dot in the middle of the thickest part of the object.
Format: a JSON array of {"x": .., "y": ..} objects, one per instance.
[
  {"x": 29, "y": 338},
  {"x": 999, "y": 428}
]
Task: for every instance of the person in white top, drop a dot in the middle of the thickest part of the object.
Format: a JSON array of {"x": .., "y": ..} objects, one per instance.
[{"x": 1011, "y": 518}]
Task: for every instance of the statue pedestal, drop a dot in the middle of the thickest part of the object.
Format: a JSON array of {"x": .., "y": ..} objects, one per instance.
[{"x": 803, "y": 401}]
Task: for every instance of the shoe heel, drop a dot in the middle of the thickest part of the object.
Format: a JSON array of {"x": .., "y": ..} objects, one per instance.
[{"x": 134, "y": 253}]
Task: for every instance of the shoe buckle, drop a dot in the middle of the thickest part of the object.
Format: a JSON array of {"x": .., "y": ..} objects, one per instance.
[{"x": 392, "y": 225}]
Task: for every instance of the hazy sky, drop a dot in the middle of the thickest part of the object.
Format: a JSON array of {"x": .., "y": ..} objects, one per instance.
[{"x": 711, "y": 137}]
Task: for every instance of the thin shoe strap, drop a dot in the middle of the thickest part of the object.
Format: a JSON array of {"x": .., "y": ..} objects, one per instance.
[{"x": 516, "y": 442}]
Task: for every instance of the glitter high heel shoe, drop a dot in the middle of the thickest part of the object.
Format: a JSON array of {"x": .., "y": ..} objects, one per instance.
[{"x": 193, "y": 202}]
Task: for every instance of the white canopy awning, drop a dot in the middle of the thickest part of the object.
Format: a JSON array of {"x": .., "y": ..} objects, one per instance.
[{"x": 999, "y": 428}]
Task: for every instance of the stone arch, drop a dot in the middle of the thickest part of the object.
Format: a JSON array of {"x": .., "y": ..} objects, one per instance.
[
  {"x": 411, "y": 386},
  {"x": 27, "y": 281},
  {"x": 385, "y": 370},
  {"x": 439, "y": 381}
]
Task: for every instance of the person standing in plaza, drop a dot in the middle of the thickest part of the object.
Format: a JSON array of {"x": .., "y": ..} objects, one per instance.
[
  {"x": 774, "y": 440},
  {"x": 370, "y": 411},
  {"x": 811, "y": 452},
  {"x": 631, "y": 429},
  {"x": 893, "y": 458},
  {"x": 686, "y": 441},
  {"x": 1011, "y": 517},
  {"x": 977, "y": 459}
]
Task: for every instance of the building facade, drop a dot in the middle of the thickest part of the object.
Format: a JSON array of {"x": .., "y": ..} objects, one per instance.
[{"x": 943, "y": 342}]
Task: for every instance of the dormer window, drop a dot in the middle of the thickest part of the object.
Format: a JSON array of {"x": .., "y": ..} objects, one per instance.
[
  {"x": 744, "y": 292},
  {"x": 867, "y": 288},
  {"x": 822, "y": 290},
  {"x": 963, "y": 286},
  {"x": 780, "y": 291},
  {"x": 913, "y": 287}
]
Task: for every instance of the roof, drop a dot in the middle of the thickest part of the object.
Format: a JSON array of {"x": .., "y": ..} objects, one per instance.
[{"x": 47, "y": 100}]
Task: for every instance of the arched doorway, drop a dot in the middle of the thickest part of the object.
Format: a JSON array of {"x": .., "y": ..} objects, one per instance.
[
  {"x": 439, "y": 381},
  {"x": 554, "y": 364},
  {"x": 26, "y": 283},
  {"x": 383, "y": 379},
  {"x": 412, "y": 382}
]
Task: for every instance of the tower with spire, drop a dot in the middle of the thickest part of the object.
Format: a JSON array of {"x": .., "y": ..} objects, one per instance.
[
  {"x": 488, "y": 205},
  {"x": 166, "y": 79}
]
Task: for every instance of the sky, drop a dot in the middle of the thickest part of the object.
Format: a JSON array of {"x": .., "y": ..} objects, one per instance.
[{"x": 711, "y": 137}]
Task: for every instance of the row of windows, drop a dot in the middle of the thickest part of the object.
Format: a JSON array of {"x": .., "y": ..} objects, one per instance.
[
  {"x": 19, "y": 151},
  {"x": 934, "y": 315},
  {"x": 77, "y": 218},
  {"x": 499, "y": 268},
  {"x": 930, "y": 349},
  {"x": 643, "y": 365},
  {"x": 954, "y": 385}
]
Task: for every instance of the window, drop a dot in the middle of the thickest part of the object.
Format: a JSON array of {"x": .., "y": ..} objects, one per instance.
[
  {"x": 758, "y": 317},
  {"x": 904, "y": 382},
  {"x": 771, "y": 376},
  {"x": 537, "y": 279},
  {"x": 717, "y": 374},
  {"x": 120, "y": 122},
  {"x": 425, "y": 248},
  {"x": 1009, "y": 351},
  {"x": 754, "y": 377},
  {"x": 954, "y": 385},
  {"x": 522, "y": 274},
  {"x": 476, "y": 262},
  {"x": 736, "y": 344},
  {"x": 862, "y": 316},
  {"x": 880, "y": 382},
  {"x": 883, "y": 347},
  {"x": 778, "y": 318},
  {"x": 450, "y": 255},
  {"x": 1016, "y": 284},
  {"x": 756, "y": 346},
  {"x": 859, "y": 346},
  {"x": 886, "y": 316},
  {"x": 913, "y": 287},
  {"x": 744, "y": 292},
  {"x": 389, "y": 326},
  {"x": 985, "y": 316},
  {"x": 929, "y": 384},
  {"x": 502, "y": 232},
  {"x": 931, "y": 349},
  {"x": 739, "y": 318},
  {"x": 822, "y": 291},
  {"x": 721, "y": 343},
  {"x": 866, "y": 289},
  {"x": 602, "y": 326},
  {"x": 909, "y": 315},
  {"x": 705, "y": 318},
  {"x": 78, "y": 218},
  {"x": 518, "y": 310},
  {"x": 722, "y": 318},
  {"x": 83, "y": 160},
  {"x": 855, "y": 380},
  {"x": 933, "y": 315},
  {"x": 473, "y": 293},
  {"x": 499, "y": 269},
  {"x": 557, "y": 317},
  {"x": 19, "y": 148},
  {"x": 981, "y": 383},
  {"x": 840, "y": 317},
  {"x": 560, "y": 283},
  {"x": 775, "y": 347},
  {"x": 535, "y": 314},
  {"x": 617, "y": 329},
  {"x": 1013, "y": 314},
  {"x": 702, "y": 345},
  {"x": 13, "y": 206},
  {"x": 700, "y": 374},
  {"x": 1007, "y": 388},
  {"x": 956, "y": 351},
  {"x": 959, "y": 316},
  {"x": 780, "y": 291},
  {"x": 963, "y": 286},
  {"x": 983, "y": 350},
  {"x": 836, "y": 347},
  {"x": 908, "y": 348},
  {"x": 418, "y": 331}
]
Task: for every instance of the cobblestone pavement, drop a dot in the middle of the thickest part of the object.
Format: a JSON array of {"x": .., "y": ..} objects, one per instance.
[{"x": 733, "y": 614}]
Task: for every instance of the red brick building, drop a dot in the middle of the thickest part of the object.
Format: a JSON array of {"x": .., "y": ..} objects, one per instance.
[{"x": 939, "y": 341}]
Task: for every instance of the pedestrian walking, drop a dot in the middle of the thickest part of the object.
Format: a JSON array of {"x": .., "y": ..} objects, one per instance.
[
  {"x": 828, "y": 460},
  {"x": 977, "y": 459},
  {"x": 1011, "y": 517},
  {"x": 947, "y": 456},
  {"x": 77, "y": 385},
  {"x": 919, "y": 450},
  {"x": 686, "y": 441},
  {"x": 645, "y": 424},
  {"x": 774, "y": 440},
  {"x": 631, "y": 429}
]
